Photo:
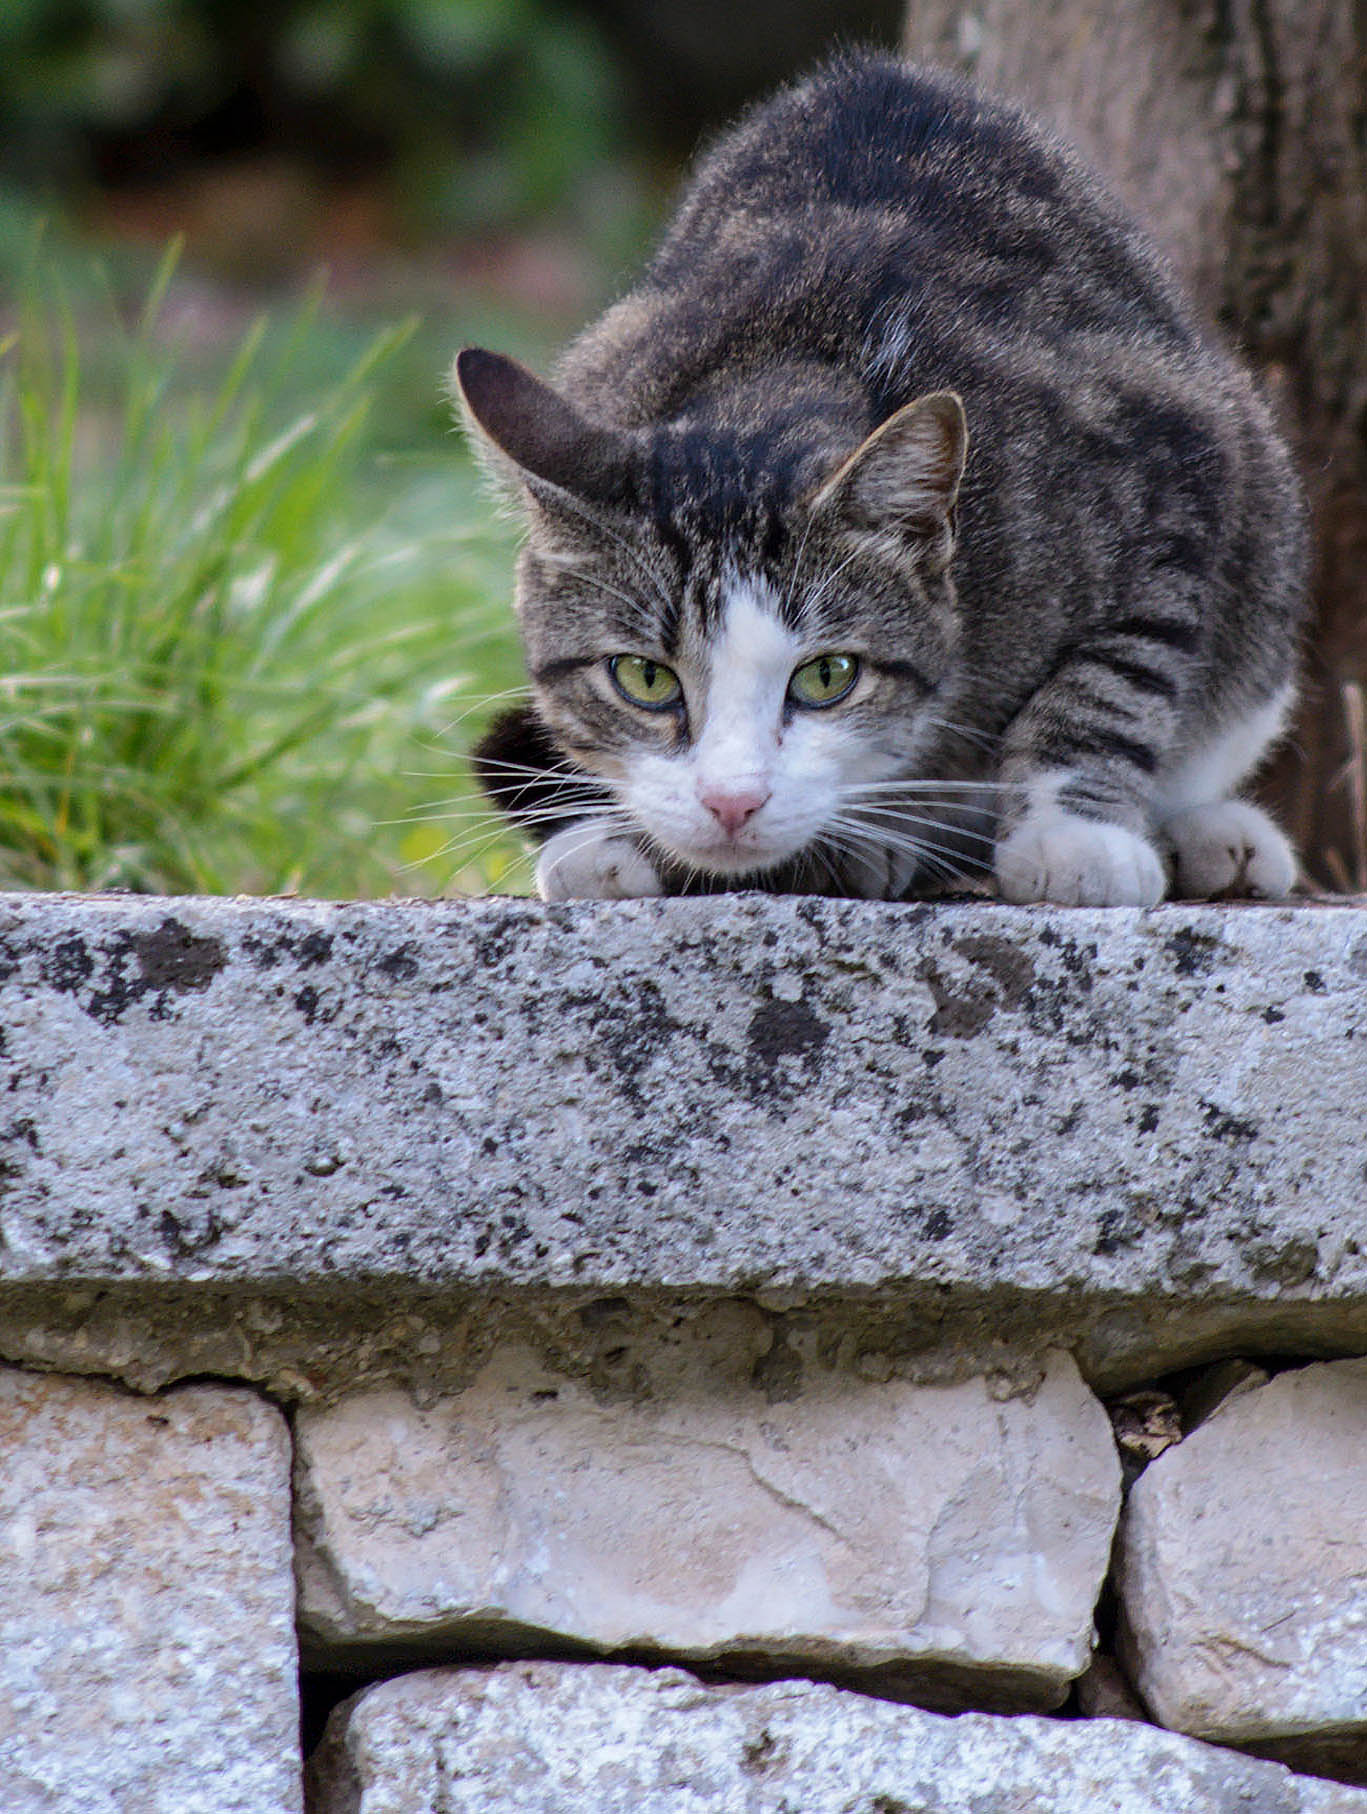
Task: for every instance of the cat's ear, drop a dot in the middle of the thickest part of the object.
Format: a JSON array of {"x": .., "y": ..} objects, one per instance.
[
  {"x": 521, "y": 424},
  {"x": 906, "y": 474}
]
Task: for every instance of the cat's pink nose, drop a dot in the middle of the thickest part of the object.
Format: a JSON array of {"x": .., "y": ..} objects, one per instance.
[{"x": 732, "y": 806}]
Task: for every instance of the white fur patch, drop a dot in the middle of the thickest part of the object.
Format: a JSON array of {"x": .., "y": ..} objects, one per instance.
[
  {"x": 593, "y": 861},
  {"x": 1077, "y": 862},
  {"x": 741, "y": 744},
  {"x": 737, "y": 733},
  {"x": 1212, "y": 771},
  {"x": 1230, "y": 847}
]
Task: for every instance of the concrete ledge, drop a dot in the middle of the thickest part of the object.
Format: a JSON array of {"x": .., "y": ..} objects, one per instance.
[{"x": 318, "y": 1145}]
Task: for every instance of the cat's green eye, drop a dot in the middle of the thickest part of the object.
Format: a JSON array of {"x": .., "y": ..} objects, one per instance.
[
  {"x": 645, "y": 682},
  {"x": 823, "y": 681}
]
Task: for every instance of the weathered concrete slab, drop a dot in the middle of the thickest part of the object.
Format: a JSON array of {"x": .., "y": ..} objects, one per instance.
[
  {"x": 1242, "y": 1563},
  {"x": 948, "y": 1537},
  {"x": 147, "y": 1652},
  {"x": 1137, "y": 1133},
  {"x": 547, "y": 1738}
]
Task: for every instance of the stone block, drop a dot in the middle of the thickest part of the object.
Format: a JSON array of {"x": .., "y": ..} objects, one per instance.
[
  {"x": 1242, "y": 1563},
  {"x": 147, "y": 1649},
  {"x": 547, "y": 1738},
  {"x": 951, "y": 1539},
  {"x": 309, "y": 1143}
]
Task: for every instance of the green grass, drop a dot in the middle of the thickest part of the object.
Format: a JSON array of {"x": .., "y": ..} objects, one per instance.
[{"x": 248, "y": 623}]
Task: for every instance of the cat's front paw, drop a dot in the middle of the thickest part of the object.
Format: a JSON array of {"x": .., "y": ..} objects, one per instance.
[
  {"x": 1230, "y": 848},
  {"x": 1078, "y": 862},
  {"x": 593, "y": 861}
]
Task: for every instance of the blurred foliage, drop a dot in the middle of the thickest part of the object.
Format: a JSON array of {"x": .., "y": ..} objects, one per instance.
[
  {"x": 478, "y": 113},
  {"x": 244, "y": 636}
]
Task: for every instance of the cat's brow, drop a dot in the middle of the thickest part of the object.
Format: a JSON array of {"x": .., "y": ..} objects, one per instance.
[{"x": 551, "y": 671}]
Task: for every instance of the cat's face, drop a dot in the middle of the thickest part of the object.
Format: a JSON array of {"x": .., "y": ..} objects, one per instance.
[{"x": 745, "y": 679}]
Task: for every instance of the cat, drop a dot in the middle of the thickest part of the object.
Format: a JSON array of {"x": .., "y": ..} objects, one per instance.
[{"x": 901, "y": 524}]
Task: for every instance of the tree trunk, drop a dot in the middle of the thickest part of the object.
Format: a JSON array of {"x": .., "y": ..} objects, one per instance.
[{"x": 1238, "y": 130}]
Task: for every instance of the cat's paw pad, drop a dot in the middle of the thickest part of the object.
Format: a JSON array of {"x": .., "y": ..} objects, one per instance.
[
  {"x": 1230, "y": 848},
  {"x": 592, "y": 861},
  {"x": 1079, "y": 863}
]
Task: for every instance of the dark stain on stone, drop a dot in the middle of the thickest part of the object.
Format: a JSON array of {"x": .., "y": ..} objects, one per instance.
[
  {"x": 1007, "y": 964},
  {"x": 1193, "y": 953},
  {"x": 68, "y": 966},
  {"x": 1314, "y": 982},
  {"x": 1272, "y": 1016},
  {"x": 634, "y": 1035},
  {"x": 174, "y": 958},
  {"x": 21, "y": 1130},
  {"x": 778, "y": 1374},
  {"x": 223, "y": 1176},
  {"x": 307, "y": 1003},
  {"x": 185, "y": 1240},
  {"x": 494, "y": 938},
  {"x": 1225, "y": 1126},
  {"x": 1148, "y": 1118},
  {"x": 785, "y": 1029},
  {"x": 1118, "y": 1230},
  {"x": 1289, "y": 1262},
  {"x": 170, "y": 960},
  {"x": 400, "y": 964},
  {"x": 959, "y": 1014},
  {"x": 937, "y": 1225},
  {"x": 603, "y": 1312},
  {"x": 761, "y": 1753}
]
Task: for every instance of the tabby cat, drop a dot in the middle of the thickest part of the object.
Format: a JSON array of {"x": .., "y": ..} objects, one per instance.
[{"x": 901, "y": 523}]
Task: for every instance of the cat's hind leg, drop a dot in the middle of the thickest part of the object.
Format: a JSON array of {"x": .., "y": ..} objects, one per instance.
[{"x": 1222, "y": 845}]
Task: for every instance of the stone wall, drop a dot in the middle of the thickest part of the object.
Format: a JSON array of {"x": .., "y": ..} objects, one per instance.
[{"x": 675, "y": 1354}]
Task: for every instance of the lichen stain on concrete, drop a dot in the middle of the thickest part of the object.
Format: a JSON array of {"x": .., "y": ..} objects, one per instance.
[
  {"x": 959, "y": 1013},
  {"x": 1007, "y": 964},
  {"x": 173, "y": 957},
  {"x": 784, "y": 1029},
  {"x": 632, "y": 1038},
  {"x": 169, "y": 958},
  {"x": 1194, "y": 953}
]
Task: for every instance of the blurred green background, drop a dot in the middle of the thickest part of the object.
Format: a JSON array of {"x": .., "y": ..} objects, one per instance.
[{"x": 253, "y": 599}]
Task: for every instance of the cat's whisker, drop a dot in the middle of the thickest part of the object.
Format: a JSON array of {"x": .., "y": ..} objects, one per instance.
[
  {"x": 909, "y": 840},
  {"x": 819, "y": 595},
  {"x": 634, "y": 555},
  {"x": 889, "y": 819},
  {"x": 481, "y": 704},
  {"x": 563, "y": 766},
  {"x": 983, "y": 739},
  {"x": 467, "y": 846},
  {"x": 592, "y": 833},
  {"x": 436, "y": 812},
  {"x": 914, "y": 785},
  {"x": 909, "y": 843},
  {"x": 634, "y": 605}
]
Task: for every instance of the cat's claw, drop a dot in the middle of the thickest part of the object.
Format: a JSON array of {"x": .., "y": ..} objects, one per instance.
[
  {"x": 592, "y": 861},
  {"x": 1079, "y": 862},
  {"x": 1230, "y": 847}
]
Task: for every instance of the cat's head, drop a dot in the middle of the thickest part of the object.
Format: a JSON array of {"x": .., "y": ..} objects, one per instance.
[{"x": 744, "y": 625}]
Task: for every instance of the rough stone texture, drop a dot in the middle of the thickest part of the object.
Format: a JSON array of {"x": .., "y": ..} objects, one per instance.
[
  {"x": 322, "y": 1132},
  {"x": 147, "y": 1653},
  {"x": 1242, "y": 1563},
  {"x": 958, "y": 1538},
  {"x": 546, "y": 1738}
]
